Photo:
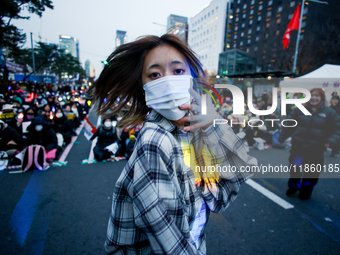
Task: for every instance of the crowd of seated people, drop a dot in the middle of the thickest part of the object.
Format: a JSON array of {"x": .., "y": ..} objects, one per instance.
[
  {"x": 39, "y": 113},
  {"x": 107, "y": 134}
]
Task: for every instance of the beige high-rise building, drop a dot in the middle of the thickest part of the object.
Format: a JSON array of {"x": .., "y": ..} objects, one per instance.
[{"x": 89, "y": 70}]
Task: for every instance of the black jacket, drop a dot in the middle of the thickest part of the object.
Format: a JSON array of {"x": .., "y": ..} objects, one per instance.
[
  {"x": 312, "y": 131},
  {"x": 336, "y": 108},
  {"x": 105, "y": 136},
  {"x": 9, "y": 134},
  {"x": 46, "y": 137},
  {"x": 63, "y": 125}
]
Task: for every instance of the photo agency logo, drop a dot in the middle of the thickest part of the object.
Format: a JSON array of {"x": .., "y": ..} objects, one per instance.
[{"x": 238, "y": 104}]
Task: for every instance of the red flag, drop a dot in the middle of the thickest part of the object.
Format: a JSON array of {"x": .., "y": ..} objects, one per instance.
[{"x": 293, "y": 25}]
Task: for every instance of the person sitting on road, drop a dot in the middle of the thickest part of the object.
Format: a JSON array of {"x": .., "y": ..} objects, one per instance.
[
  {"x": 258, "y": 129},
  {"x": 39, "y": 132},
  {"x": 71, "y": 116},
  {"x": 63, "y": 126},
  {"x": 8, "y": 115},
  {"x": 107, "y": 135},
  {"x": 16, "y": 98},
  {"x": 39, "y": 102},
  {"x": 46, "y": 108},
  {"x": 75, "y": 109},
  {"x": 9, "y": 138},
  {"x": 29, "y": 114},
  {"x": 25, "y": 116},
  {"x": 17, "y": 105},
  {"x": 50, "y": 101}
]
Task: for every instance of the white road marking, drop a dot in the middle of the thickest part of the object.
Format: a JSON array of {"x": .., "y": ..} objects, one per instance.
[
  {"x": 276, "y": 199},
  {"x": 69, "y": 146},
  {"x": 94, "y": 142},
  {"x": 74, "y": 138}
]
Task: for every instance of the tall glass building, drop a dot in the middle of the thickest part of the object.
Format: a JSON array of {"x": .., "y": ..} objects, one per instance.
[
  {"x": 89, "y": 70},
  {"x": 178, "y": 25},
  {"x": 121, "y": 37},
  {"x": 70, "y": 45}
]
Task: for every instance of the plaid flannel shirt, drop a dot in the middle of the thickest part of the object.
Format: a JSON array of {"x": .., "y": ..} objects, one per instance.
[{"x": 157, "y": 207}]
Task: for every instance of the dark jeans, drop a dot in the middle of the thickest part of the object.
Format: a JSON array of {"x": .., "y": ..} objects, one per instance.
[
  {"x": 301, "y": 176},
  {"x": 100, "y": 153}
]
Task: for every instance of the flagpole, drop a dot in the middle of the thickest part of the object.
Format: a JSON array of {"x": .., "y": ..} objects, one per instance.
[{"x": 298, "y": 36}]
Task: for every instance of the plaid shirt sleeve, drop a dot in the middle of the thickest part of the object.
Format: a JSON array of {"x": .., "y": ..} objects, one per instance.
[{"x": 227, "y": 151}]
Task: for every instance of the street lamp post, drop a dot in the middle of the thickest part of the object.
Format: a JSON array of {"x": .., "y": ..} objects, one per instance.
[{"x": 33, "y": 60}]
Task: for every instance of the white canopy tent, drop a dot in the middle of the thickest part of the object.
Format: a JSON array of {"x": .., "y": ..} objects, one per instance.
[{"x": 326, "y": 77}]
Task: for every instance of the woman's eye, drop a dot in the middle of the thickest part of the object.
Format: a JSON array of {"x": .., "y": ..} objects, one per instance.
[
  {"x": 154, "y": 75},
  {"x": 179, "y": 71}
]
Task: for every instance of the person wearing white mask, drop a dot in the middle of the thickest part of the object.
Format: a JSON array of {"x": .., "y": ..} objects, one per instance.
[
  {"x": 107, "y": 135},
  {"x": 74, "y": 109},
  {"x": 161, "y": 202},
  {"x": 63, "y": 126}
]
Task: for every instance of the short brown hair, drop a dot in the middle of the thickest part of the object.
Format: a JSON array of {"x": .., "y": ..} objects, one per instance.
[{"x": 122, "y": 77}]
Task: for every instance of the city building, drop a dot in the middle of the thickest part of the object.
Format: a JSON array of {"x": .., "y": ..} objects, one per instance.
[
  {"x": 178, "y": 25},
  {"x": 207, "y": 33},
  {"x": 258, "y": 26},
  {"x": 121, "y": 37},
  {"x": 235, "y": 61},
  {"x": 89, "y": 70},
  {"x": 70, "y": 45}
]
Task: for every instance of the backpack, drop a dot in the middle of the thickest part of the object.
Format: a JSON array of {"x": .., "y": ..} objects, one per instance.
[{"x": 34, "y": 158}]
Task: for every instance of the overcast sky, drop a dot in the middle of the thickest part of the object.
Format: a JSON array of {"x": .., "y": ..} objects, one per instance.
[{"x": 94, "y": 23}]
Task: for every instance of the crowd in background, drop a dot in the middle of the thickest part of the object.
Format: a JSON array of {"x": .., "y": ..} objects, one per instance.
[
  {"x": 260, "y": 133},
  {"x": 48, "y": 115},
  {"x": 39, "y": 113}
]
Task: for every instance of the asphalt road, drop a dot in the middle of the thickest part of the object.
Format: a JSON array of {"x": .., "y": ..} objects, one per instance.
[{"x": 65, "y": 210}]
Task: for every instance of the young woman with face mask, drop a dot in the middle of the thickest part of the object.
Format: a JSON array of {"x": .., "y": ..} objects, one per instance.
[{"x": 160, "y": 205}]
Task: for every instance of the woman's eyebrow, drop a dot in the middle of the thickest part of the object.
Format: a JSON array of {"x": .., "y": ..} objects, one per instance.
[
  {"x": 153, "y": 66},
  {"x": 174, "y": 62}
]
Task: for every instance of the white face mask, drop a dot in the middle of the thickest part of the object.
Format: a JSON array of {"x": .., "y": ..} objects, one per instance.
[
  {"x": 164, "y": 95},
  {"x": 108, "y": 124},
  {"x": 59, "y": 115},
  {"x": 38, "y": 128}
]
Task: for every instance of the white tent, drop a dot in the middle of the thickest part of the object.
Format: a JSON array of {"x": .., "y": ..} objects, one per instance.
[{"x": 326, "y": 77}]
